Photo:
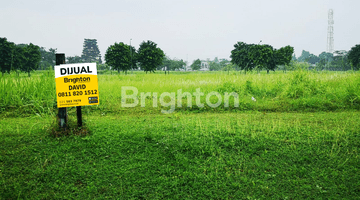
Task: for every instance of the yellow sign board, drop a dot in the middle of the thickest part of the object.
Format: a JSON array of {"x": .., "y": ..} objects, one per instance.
[{"x": 76, "y": 85}]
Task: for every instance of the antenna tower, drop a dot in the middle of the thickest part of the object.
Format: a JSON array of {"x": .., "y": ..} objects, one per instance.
[{"x": 330, "y": 34}]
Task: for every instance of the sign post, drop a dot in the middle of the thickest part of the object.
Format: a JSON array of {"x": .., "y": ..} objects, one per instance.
[
  {"x": 62, "y": 114},
  {"x": 76, "y": 85},
  {"x": 79, "y": 116}
]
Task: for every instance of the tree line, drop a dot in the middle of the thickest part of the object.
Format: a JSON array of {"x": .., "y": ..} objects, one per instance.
[
  {"x": 260, "y": 56},
  {"x": 123, "y": 57},
  {"x": 21, "y": 57},
  {"x": 249, "y": 57},
  {"x": 149, "y": 57},
  {"x": 339, "y": 60},
  {"x": 30, "y": 57}
]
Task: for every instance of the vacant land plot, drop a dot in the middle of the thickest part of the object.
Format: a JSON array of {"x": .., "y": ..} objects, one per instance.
[{"x": 266, "y": 149}]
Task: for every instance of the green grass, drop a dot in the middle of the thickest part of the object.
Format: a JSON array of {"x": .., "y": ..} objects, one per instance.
[
  {"x": 250, "y": 155},
  {"x": 276, "y": 92},
  {"x": 299, "y": 140}
]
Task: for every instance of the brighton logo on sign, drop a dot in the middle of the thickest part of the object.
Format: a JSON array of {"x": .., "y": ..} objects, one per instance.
[{"x": 76, "y": 85}]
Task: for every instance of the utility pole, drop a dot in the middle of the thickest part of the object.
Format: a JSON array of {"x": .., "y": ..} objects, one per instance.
[
  {"x": 131, "y": 57},
  {"x": 330, "y": 34},
  {"x": 187, "y": 62}
]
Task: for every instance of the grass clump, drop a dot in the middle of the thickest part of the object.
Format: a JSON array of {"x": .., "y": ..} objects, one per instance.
[{"x": 71, "y": 128}]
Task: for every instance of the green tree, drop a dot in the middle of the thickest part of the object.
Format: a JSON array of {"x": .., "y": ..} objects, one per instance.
[
  {"x": 263, "y": 57},
  {"x": 74, "y": 59},
  {"x": 340, "y": 60},
  {"x": 47, "y": 58},
  {"x": 5, "y": 55},
  {"x": 328, "y": 57},
  {"x": 250, "y": 56},
  {"x": 149, "y": 56},
  {"x": 304, "y": 55},
  {"x": 118, "y": 57},
  {"x": 308, "y": 57},
  {"x": 214, "y": 66},
  {"x": 223, "y": 63},
  {"x": 229, "y": 67},
  {"x": 196, "y": 65},
  {"x": 166, "y": 62},
  {"x": 269, "y": 58},
  {"x": 241, "y": 56},
  {"x": 321, "y": 64},
  {"x": 179, "y": 64},
  {"x": 102, "y": 67},
  {"x": 133, "y": 57},
  {"x": 91, "y": 52},
  {"x": 284, "y": 56},
  {"x": 18, "y": 60},
  {"x": 33, "y": 57},
  {"x": 312, "y": 59},
  {"x": 354, "y": 57},
  {"x": 172, "y": 64},
  {"x": 296, "y": 65}
]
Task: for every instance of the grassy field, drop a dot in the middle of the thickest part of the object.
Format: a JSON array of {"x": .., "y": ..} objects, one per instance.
[
  {"x": 300, "y": 139},
  {"x": 277, "y": 92},
  {"x": 186, "y": 156}
]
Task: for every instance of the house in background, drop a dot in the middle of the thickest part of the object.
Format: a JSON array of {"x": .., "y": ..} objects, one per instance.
[{"x": 204, "y": 66}]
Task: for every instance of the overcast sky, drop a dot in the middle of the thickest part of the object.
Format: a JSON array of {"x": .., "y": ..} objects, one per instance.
[{"x": 183, "y": 29}]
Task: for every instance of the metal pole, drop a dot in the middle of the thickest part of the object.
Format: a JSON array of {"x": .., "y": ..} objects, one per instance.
[
  {"x": 62, "y": 113},
  {"x": 79, "y": 116},
  {"x": 131, "y": 57}
]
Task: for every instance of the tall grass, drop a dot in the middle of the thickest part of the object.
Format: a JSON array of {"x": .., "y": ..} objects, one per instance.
[
  {"x": 292, "y": 91},
  {"x": 28, "y": 95}
]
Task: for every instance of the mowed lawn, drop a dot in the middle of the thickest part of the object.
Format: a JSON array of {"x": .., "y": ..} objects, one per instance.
[{"x": 249, "y": 155}]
